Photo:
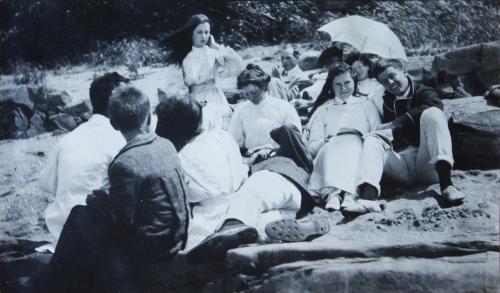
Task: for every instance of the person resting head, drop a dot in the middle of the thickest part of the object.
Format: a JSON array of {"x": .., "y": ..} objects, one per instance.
[
  {"x": 129, "y": 111},
  {"x": 252, "y": 83},
  {"x": 360, "y": 65},
  {"x": 330, "y": 57},
  {"x": 179, "y": 120},
  {"x": 101, "y": 89},
  {"x": 392, "y": 75}
]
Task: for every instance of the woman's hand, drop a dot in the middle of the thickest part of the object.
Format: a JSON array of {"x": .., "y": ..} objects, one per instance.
[
  {"x": 212, "y": 44},
  {"x": 276, "y": 72}
]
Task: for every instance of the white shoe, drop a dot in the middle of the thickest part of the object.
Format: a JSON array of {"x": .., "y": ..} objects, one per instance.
[
  {"x": 333, "y": 203},
  {"x": 452, "y": 194}
]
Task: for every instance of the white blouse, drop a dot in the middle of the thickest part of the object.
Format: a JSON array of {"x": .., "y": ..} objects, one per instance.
[
  {"x": 374, "y": 91},
  {"x": 201, "y": 64},
  {"x": 251, "y": 124}
]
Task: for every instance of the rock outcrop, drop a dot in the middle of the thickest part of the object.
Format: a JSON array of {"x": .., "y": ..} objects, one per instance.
[
  {"x": 475, "y": 128},
  {"x": 28, "y": 111}
]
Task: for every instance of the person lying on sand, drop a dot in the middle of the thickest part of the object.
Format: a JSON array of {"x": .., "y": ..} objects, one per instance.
[{"x": 228, "y": 202}]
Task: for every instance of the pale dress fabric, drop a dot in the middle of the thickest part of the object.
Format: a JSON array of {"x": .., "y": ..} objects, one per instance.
[
  {"x": 374, "y": 91},
  {"x": 315, "y": 89},
  {"x": 200, "y": 70},
  {"x": 280, "y": 87},
  {"x": 218, "y": 184},
  {"x": 336, "y": 161},
  {"x": 77, "y": 165},
  {"x": 251, "y": 124}
]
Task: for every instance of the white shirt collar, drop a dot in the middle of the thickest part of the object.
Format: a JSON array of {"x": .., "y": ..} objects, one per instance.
[
  {"x": 99, "y": 118},
  {"x": 349, "y": 101},
  {"x": 199, "y": 49}
]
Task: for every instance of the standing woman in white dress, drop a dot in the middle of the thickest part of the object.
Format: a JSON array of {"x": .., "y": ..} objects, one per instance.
[{"x": 193, "y": 46}]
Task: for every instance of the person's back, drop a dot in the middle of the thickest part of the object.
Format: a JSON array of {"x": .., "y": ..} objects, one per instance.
[
  {"x": 146, "y": 166},
  {"x": 79, "y": 163},
  {"x": 213, "y": 165}
]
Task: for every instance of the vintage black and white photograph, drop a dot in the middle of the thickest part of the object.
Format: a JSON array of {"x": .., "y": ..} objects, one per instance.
[{"x": 249, "y": 146}]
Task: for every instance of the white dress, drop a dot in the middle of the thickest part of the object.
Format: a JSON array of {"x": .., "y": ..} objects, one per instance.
[
  {"x": 374, "y": 91},
  {"x": 336, "y": 161},
  {"x": 200, "y": 69},
  {"x": 251, "y": 124}
]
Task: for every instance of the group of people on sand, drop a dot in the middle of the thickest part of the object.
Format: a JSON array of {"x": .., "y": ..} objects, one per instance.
[{"x": 130, "y": 197}]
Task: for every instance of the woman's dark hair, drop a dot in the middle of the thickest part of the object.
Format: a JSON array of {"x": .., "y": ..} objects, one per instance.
[
  {"x": 253, "y": 74},
  {"x": 179, "y": 120},
  {"x": 180, "y": 42},
  {"x": 328, "y": 54},
  {"x": 327, "y": 92},
  {"x": 355, "y": 56}
]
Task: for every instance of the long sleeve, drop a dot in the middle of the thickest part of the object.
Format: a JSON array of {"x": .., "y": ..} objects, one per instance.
[
  {"x": 123, "y": 193},
  {"x": 292, "y": 117},
  {"x": 236, "y": 128},
  {"x": 317, "y": 132},
  {"x": 48, "y": 178},
  {"x": 229, "y": 59}
]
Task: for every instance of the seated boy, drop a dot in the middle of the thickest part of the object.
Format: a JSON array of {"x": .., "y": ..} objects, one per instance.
[{"x": 110, "y": 243}]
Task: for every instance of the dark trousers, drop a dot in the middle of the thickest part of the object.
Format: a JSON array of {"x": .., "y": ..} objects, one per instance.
[{"x": 90, "y": 257}]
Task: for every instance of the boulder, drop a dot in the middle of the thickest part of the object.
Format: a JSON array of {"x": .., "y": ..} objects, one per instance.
[
  {"x": 63, "y": 121},
  {"x": 258, "y": 259},
  {"x": 478, "y": 63},
  {"x": 76, "y": 110},
  {"x": 37, "y": 124},
  {"x": 475, "y": 129},
  {"x": 56, "y": 102},
  {"x": 472, "y": 273},
  {"x": 22, "y": 96},
  {"x": 309, "y": 60}
]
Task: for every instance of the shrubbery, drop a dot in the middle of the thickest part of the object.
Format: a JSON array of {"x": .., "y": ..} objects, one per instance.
[{"x": 48, "y": 31}]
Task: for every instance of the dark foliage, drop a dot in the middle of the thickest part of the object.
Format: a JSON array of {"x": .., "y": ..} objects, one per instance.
[{"x": 48, "y": 32}]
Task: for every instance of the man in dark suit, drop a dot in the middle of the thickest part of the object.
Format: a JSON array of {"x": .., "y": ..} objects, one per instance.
[
  {"x": 414, "y": 143},
  {"x": 110, "y": 243}
]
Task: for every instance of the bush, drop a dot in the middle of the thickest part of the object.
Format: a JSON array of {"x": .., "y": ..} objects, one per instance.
[
  {"x": 44, "y": 31},
  {"x": 26, "y": 73},
  {"x": 133, "y": 53}
]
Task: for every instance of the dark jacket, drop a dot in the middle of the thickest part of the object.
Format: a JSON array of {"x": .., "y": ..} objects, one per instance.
[
  {"x": 147, "y": 197},
  {"x": 292, "y": 161},
  {"x": 406, "y": 113}
]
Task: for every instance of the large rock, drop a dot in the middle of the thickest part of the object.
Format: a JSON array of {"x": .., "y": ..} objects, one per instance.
[
  {"x": 479, "y": 63},
  {"x": 22, "y": 96},
  {"x": 258, "y": 259},
  {"x": 475, "y": 128},
  {"x": 54, "y": 102},
  {"x": 309, "y": 60},
  {"x": 63, "y": 121},
  {"x": 472, "y": 273}
]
